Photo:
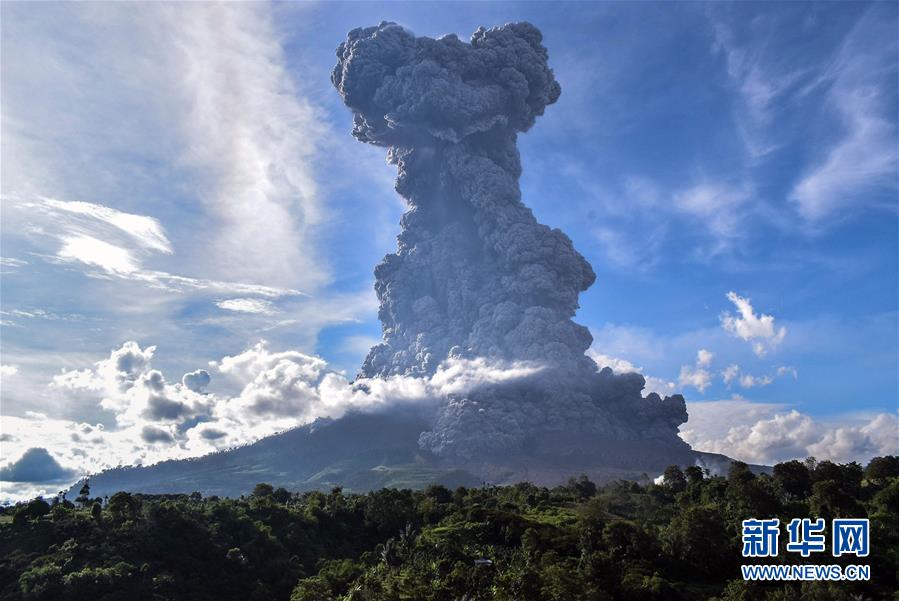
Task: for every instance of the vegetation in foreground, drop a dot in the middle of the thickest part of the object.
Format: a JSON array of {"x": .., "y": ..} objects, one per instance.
[{"x": 677, "y": 540}]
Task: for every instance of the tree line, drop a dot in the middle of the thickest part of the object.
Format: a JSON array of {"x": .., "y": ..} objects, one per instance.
[{"x": 678, "y": 539}]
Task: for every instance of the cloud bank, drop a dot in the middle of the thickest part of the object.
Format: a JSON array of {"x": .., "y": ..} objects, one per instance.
[
  {"x": 768, "y": 433},
  {"x": 155, "y": 419}
]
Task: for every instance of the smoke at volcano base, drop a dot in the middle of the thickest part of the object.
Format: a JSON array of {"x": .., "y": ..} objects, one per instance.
[{"x": 475, "y": 274}]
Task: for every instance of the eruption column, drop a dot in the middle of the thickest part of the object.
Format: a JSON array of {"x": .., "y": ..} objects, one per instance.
[{"x": 475, "y": 274}]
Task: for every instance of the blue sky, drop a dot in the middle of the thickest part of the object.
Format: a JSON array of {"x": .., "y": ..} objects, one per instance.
[{"x": 182, "y": 176}]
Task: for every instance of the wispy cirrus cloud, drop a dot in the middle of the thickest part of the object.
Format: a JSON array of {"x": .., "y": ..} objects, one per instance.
[
  {"x": 168, "y": 164},
  {"x": 108, "y": 243},
  {"x": 863, "y": 155},
  {"x": 224, "y": 131},
  {"x": 221, "y": 152},
  {"x": 251, "y": 138},
  {"x": 841, "y": 96},
  {"x": 246, "y": 305},
  {"x": 92, "y": 252},
  {"x": 147, "y": 231},
  {"x": 11, "y": 265},
  {"x": 643, "y": 218},
  {"x": 762, "y": 81},
  {"x": 718, "y": 206}
]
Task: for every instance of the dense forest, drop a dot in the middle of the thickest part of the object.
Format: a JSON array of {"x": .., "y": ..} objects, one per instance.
[{"x": 680, "y": 539}]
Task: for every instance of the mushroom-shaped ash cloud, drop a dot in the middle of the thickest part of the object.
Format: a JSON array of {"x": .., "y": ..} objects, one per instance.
[{"x": 475, "y": 274}]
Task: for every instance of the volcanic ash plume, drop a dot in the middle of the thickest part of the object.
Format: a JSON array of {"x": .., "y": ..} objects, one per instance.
[{"x": 475, "y": 275}]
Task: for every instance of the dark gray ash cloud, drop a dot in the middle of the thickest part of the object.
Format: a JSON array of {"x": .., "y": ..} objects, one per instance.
[{"x": 475, "y": 274}]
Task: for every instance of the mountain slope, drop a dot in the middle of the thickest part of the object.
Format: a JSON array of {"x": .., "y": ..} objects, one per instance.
[
  {"x": 358, "y": 451},
  {"x": 368, "y": 451}
]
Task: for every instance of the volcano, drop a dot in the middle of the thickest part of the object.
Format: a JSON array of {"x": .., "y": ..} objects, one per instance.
[
  {"x": 361, "y": 452},
  {"x": 475, "y": 277}
]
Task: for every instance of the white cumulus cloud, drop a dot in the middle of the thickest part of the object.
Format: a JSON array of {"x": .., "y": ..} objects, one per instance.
[
  {"x": 768, "y": 433},
  {"x": 733, "y": 373},
  {"x": 785, "y": 370},
  {"x": 704, "y": 357},
  {"x": 751, "y": 381},
  {"x": 697, "y": 375},
  {"x": 276, "y": 390},
  {"x": 757, "y": 329}
]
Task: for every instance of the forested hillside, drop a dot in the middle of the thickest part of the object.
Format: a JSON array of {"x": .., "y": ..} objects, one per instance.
[{"x": 676, "y": 540}]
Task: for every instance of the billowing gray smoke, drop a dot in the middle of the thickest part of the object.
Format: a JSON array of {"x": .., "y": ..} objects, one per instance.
[{"x": 475, "y": 274}]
